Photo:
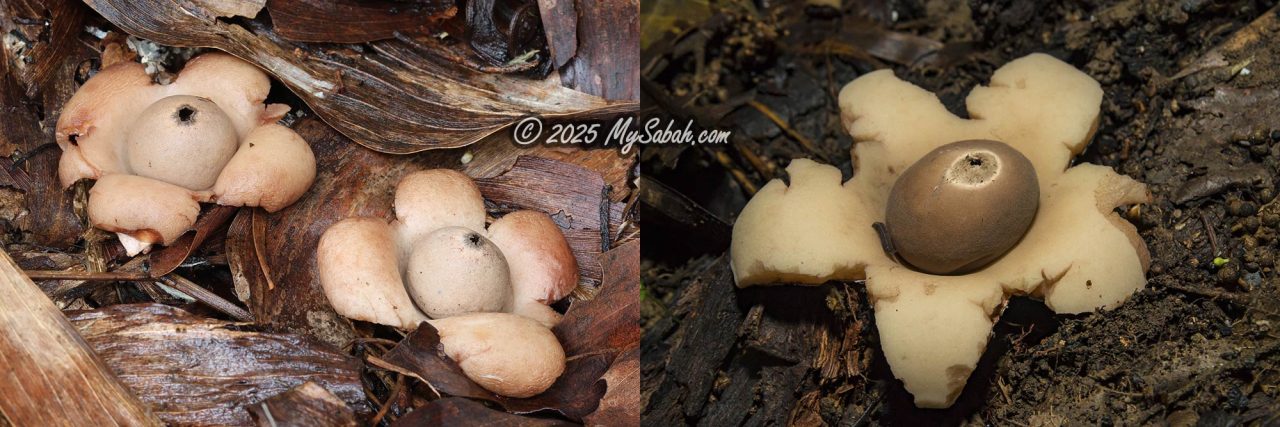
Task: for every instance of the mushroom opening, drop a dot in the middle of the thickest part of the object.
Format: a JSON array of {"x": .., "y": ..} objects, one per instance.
[
  {"x": 975, "y": 168},
  {"x": 962, "y": 206},
  {"x": 186, "y": 114}
]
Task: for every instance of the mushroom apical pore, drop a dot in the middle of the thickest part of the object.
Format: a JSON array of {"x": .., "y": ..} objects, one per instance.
[
  {"x": 961, "y": 206},
  {"x": 455, "y": 270}
]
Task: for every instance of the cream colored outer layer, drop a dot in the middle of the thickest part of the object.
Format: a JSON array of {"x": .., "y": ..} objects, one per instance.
[
  {"x": 507, "y": 354},
  {"x": 146, "y": 210},
  {"x": 359, "y": 269},
  {"x": 92, "y": 127},
  {"x": 543, "y": 268},
  {"x": 433, "y": 199},
  {"x": 1078, "y": 255}
]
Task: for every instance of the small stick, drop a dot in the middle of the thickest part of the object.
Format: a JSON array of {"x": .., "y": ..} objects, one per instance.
[
  {"x": 1208, "y": 229},
  {"x": 773, "y": 117},
  {"x": 1209, "y": 293},
  {"x": 95, "y": 276},
  {"x": 395, "y": 392},
  {"x": 605, "y": 241},
  {"x": 205, "y": 296},
  {"x": 763, "y": 168},
  {"x": 737, "y": 174}
]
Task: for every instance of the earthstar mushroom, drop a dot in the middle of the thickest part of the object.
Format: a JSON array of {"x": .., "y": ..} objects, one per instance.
[
  {"x": 206, "y": 137},
  {"x": 1078, "y": 254},
  {"x": 437, "y": 263}
]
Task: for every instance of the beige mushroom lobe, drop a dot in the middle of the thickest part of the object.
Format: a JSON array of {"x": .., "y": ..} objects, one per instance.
[
  {"x": 149, "y": 211},
  {"x": 543, "y": 268},
  {"x": 507, "y": 354},
  {"x": 359, "y": 271}
]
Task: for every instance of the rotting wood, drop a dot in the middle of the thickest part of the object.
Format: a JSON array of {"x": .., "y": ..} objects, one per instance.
[{"x": 48, "y": 374}]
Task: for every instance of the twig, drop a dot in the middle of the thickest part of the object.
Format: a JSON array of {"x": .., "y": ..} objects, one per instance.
[
  {"x": 738, "y": 175},
  {"x": 1208, "y": 229},
  {"x": 1210, "y": 293},
  {"x": 205, "y": 296},
  {"x": 874, "y": 407},
  {"x": 605, "y": 241},
  {"x": 803, "y": 140},
  {"x": 765, "y": 169},
  {"x": 257, "y": 228},
  {"x": 95, "y": 276},
  {"x": 386, "y": 406},
  {"x": 371, "y": 340}
]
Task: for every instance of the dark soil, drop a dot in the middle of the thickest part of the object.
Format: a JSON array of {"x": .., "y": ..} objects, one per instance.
[{"x": 1200, "y": 126}]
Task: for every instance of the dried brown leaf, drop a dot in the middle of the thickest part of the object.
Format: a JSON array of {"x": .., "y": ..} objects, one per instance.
[
  {"x": 307, "y": 405},
  {"x": 349, "y": 21},
  {"x": 38, "y": 73},
  {"x": 397, "y": 96},
  {"x": 621, "y": 403},
  {"x": 460, "y": 411},
  {"x": 609, "y": 323}
]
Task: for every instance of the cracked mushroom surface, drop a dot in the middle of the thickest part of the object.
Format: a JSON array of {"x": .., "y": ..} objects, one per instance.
[
  {"x": 1078, "y": 255},
  {"x": 437, "y": 260},
  {"x": 158, "y": 150}
]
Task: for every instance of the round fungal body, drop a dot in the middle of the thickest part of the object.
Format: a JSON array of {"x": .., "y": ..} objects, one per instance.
[
  {"x": 455, "y": 270},
  {"x": 962, "y": 206},
  {"x": 183, "y": 140}
]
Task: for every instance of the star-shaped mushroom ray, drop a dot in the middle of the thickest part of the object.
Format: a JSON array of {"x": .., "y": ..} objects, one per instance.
[
  {"x": 359, "y": 270},
  {"x": 809, "y": 232},
  {"x": 1078, "y": 254}
]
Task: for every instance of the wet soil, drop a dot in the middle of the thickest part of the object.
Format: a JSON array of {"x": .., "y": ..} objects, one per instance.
[{"x": 1191, "y": 107}]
